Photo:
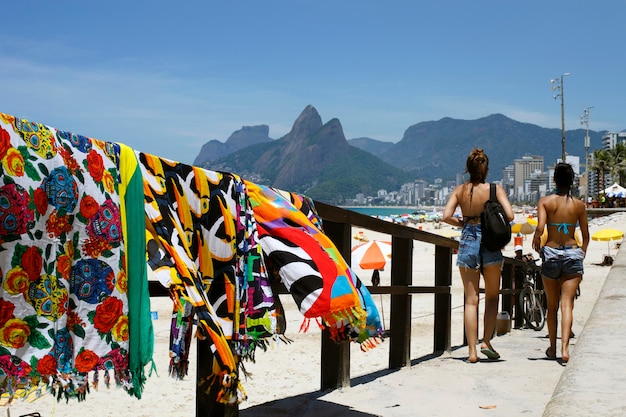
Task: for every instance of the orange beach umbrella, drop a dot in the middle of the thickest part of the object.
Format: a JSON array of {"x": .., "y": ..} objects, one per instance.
[{"x": 372, "y": 255}]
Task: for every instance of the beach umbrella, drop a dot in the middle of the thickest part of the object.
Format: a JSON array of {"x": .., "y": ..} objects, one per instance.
[
  {"x": 361, "y": 237},
  {"x": 614, "y": 189},
  {"x": 608, "y": 235},
  {"x": 372, "y": 255},
  {"x": 532, "y": 221},
  {"x": 524, "y": 228}
]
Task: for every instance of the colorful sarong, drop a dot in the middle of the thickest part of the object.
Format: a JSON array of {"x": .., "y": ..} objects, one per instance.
[
  {"x": 63, "y": 298},
  {"x": 202, "y": 225},
  {"x": 308, "y": 263}
]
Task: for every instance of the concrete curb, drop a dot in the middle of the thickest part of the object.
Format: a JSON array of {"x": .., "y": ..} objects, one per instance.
[{"x": 594, "y": 380}]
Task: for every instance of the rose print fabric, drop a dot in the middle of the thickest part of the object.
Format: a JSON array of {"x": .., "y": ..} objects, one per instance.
[{"x": 63, "y": 294}]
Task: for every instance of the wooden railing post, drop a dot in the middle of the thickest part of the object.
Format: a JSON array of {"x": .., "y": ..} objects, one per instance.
[
  {"x": 335, "y": 368},
  {"x": 508, "y": 292},
  {"x": 400, "y": 320},
  {"x": 443, "y": 301},
  {"x": 206, "y": 393}
]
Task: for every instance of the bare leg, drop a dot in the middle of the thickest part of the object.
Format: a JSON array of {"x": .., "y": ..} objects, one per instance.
[
  {"x": 552, "y": 288},
  {"x": 471, "y": 279},
  {"x": 568, "y": 292},
  {"x": 492, "y": 296}
]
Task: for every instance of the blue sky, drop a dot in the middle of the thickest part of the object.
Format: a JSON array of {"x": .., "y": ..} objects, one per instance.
[{"x": 165, "y": 77}]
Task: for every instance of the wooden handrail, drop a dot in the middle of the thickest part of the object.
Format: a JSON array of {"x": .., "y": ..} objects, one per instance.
[{"x": 335, "y": 368}]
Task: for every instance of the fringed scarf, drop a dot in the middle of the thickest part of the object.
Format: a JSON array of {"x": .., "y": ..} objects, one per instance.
[
  {"x": 64, "y": 295},
  {"x": 311, "y": 267},
  {"x": 202, "y": 225}
]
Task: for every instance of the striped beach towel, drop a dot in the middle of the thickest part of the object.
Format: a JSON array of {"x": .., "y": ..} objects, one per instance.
[{"x": 309, "y": 264}]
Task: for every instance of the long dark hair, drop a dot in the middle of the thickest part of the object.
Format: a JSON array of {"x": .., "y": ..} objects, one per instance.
[
  {"x": 563, "y": 177},
  {"x": 477, "y": 166}
]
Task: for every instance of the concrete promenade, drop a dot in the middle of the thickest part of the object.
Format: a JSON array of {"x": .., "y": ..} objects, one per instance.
[
  {"x": 522, "y": 382},
  {"x": 594, "y": 381}
]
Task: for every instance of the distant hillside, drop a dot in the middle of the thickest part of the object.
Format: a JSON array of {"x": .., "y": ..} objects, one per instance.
[
  {"x": 314, "y": 159},
  {"x": 242, "y": 138},
  {"x": 317, "y": 160},
  {"x": 438, "y": 149},
  {"x": 373, "y": 146}
]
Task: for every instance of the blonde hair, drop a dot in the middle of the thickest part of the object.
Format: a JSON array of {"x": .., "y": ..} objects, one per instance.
[{"x": 477, "y": 166}]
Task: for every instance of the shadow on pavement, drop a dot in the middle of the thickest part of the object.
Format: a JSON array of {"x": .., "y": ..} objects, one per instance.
[
  {"x": 304, "y": 405},
  {"x": 310, "y": 405}
]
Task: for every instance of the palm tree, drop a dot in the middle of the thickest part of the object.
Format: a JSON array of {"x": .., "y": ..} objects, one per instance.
[
  {"x": 601, "y": 163},
  {"x": 617, "y": 170}
]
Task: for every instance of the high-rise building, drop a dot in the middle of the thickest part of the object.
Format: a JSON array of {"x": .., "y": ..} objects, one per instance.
[
  {"x": 536, "y": 186},
  {"x": 508, "y": 178},
  {"x": 522, "y": 170},
  {"x": 611, "y": 139}
]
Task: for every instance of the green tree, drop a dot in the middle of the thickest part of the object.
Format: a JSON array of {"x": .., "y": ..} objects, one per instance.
[
  {"x": 617, "y": 170},
  {"x": 602, "y": 160}
]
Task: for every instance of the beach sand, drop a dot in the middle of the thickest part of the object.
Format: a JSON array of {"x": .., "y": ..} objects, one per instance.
[{"x": 285, "y": 379}]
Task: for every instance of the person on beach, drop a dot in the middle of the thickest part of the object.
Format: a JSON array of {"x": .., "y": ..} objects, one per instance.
[
  {"x": 471, "y": 259},
  {"x": 561, "y": 256},
  {"x": 376, "y": 278}
]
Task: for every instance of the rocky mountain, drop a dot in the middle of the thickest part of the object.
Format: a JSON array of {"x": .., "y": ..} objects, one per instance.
[
  {"x": 314, "y": 159},
  {"x": 242, "y": 138},
  {"x": 438, "y": 149}
]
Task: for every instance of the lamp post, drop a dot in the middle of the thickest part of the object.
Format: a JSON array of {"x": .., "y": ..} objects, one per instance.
[
  {"x": 584, "y": 120},
  {"x": 557, "y": 85}
]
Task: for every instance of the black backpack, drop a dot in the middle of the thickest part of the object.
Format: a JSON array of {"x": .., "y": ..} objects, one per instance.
[{"x": 494, "y": 225}]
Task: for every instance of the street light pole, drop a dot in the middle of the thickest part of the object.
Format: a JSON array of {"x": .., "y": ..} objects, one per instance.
[
  {"x": 584, "y": 120},
  {"x": 557, "y": 85}
]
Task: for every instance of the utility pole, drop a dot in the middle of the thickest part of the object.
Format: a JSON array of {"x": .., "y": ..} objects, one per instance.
[
  {"x": 584, "y": 120},
  {"x": 557, "y": 85}
]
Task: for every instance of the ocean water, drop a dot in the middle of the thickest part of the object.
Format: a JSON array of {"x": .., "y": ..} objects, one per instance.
[{"x": 382, "y": 211}]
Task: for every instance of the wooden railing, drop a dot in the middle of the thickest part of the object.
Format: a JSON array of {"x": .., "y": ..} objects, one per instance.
[{"x": 335, "y": 366}]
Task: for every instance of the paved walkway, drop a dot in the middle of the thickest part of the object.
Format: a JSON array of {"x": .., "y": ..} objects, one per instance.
[
  {"x": 522, "y": 382},
  {"x": 594, "y": 383}
]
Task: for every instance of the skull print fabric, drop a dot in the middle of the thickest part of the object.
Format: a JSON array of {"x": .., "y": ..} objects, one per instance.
[{"x": 63, "y": 295}]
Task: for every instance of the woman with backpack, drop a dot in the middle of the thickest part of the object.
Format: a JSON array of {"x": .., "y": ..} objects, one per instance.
[
  {"x": 561, "y": 256},
  {"x": 471, "y": 197}
]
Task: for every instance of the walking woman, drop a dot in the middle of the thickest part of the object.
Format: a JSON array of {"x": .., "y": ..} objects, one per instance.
[
  {"x": 561, "y": 257},
  {"x": 471, "y": 197}
]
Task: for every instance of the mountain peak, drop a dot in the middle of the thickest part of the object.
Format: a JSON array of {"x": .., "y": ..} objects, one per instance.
[
  {"x": 306, "y": 124},
  {"x": 249, "y": 135}
]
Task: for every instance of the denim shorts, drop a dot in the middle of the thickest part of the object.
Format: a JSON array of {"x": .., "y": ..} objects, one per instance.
[
  {"x": 561, "y": 261},
  {"x": 469, "y": 249}
]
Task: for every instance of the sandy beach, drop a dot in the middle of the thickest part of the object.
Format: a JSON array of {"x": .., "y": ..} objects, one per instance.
[{"x": 285, "y": 380}]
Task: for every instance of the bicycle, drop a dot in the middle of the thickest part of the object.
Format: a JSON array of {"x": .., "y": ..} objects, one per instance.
[{"x": 531, "y": 300}]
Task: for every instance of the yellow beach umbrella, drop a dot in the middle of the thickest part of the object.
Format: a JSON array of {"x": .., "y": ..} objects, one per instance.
[
  {"x": 608, "y": 235},
  {"x": 532, "y": 221},
  {"x": 524, "y": 228}
]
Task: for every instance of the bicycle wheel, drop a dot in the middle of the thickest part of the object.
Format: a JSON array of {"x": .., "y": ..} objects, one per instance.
[
  {"x": 525, "y": 304},
  {"x": 539, "y": 318},
  {"x": 532, "y": 308}
]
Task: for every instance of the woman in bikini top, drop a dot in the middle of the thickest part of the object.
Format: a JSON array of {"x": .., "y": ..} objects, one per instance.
[
  {"x": 562, "y": 259},
  {"x": 470, "y": 197}
]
